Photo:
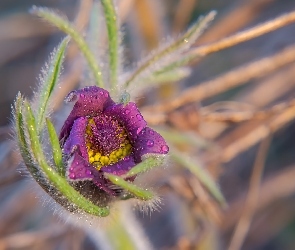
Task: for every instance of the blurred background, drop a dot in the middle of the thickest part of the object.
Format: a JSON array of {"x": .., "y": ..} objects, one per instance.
[{"x": 245, "y": 141}]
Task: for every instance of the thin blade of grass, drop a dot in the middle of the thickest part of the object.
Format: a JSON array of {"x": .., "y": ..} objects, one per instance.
[
  {"x": 113, "y": 39},
  {"x": 179, "y": 45},
  {"x": 56, "y": 150},
  {"x": 200, "y": 173},
  {"x": 61, "y": 23},
  {"x": 49, "y": 82}
]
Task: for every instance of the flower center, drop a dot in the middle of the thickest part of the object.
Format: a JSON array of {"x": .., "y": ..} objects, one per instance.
[{"x": 106, "y": 141}]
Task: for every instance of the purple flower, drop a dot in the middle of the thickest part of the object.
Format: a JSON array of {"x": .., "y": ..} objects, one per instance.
[{"x": 100, "y": 136}]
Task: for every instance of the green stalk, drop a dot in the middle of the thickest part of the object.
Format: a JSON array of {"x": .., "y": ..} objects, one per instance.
[
  {"x": 59, "y": 182},
  {"x": 20, "y": 132},
  {"x": 113, "y": 39},
  {"x": 66, "y": 27},
  {"x": 56, "y": 150},
  {"x": 49, "y": 82},
  {"x": 177, "y": 46}
]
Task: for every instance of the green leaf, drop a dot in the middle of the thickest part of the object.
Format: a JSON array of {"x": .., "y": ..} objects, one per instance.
[
  {"x": 147, "y": 164},
  {"x": 181, "y": 138},
  {"x": 21, "y": 136},
  {"x": 203, "y": 176},
  {"x": 50, "y": 81},
  {"x": 184, "y": 60},
  {"x": 140, "y": 193},
  {"x": 54, "y": 178},
  {"x": 66, "y": 27},
  {"x": 178, "y": 46},
  {"x": 56, "y": 150},
  {"x": 113, "y": 39},
  {"x": 165, "y": 77}
]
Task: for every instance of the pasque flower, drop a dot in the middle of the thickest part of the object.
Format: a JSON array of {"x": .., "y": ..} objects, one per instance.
[
  {"x": 100, "y": 136},
  {"x": 103, "y": 145}
]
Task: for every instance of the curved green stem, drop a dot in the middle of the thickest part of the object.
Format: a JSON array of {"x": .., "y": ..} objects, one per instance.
[
  {"x": 180, "y": 44},
  {"x": 113, "y": 38},
  {"x": 49, "y": 82},
  {"x": 56, "y": 150},
  {"x": 66, "y": 27}
]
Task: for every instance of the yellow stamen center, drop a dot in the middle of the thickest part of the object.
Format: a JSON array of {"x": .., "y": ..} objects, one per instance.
[{"x": 97, "y": 158}]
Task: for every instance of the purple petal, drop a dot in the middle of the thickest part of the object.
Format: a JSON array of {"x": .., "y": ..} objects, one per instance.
[
  {"x": 76, "y": 138},
  {"x": 149, "y": 142},
  {"x": 130, "y": 118},
  {"x": 81, "y": 170},
  {"x": 121, "y": 167},
  {"x": 90, "y": 101},
  {"x": 78, "y": 168}
]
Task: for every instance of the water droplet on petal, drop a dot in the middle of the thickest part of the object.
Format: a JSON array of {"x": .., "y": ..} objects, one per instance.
[
  {"x": 72, "y": 176},
  {"x": 139, "y": 117},
  {"x": 71, "y": 169},
  {"x": 151, "y": 132},
  {"x": 127, "y": 111},
  {"x": 150, "y": 143},
  {"x": 165, "y": 149},
  {"x": 139, "y": 130},
  {"x": 88, "y": 172},
  {"x": 82, "y": 95}
]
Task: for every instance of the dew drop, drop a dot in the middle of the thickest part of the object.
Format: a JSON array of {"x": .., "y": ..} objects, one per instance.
[
  {"x": 165, "y": 149},
  {"x": 151, "y": 132},
  {"x": 139, "y": 130},
  {"x": 82, "y": 95},
  {"x": 150, "y": 143},
  {"x": 88, "y": 172},
  {"x": 139, "y": 117},
  {"x": 72, "y": 176},
  {"x": 71, "y": 169},
  {"x": 127, "y": 111}
]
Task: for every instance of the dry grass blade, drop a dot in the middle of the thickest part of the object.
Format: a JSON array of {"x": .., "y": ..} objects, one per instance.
[
  {"x": 229, "y": 80},
  {"x": 257, "y": 134},
  {"x": 274, "y": 188},
  {"x": 244, "y": 12},
  {"x": 244, "y": 223},
  {"x": 183, "y": 13},
  {"x": 246, "y": 35},
  {"x": 241, "y": 116}
]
